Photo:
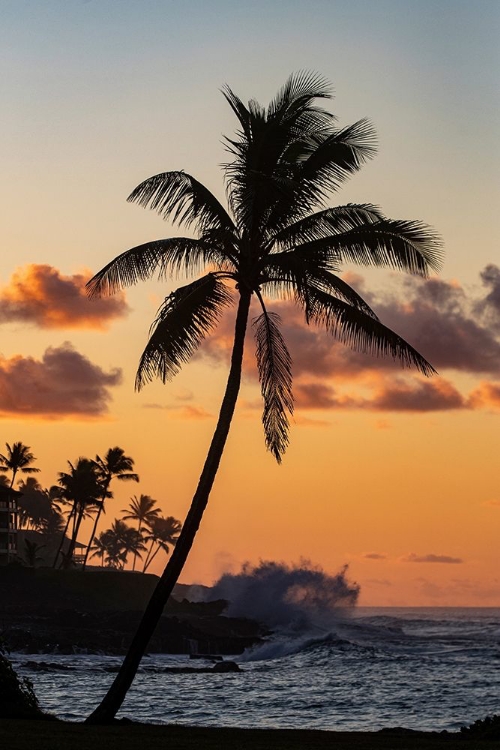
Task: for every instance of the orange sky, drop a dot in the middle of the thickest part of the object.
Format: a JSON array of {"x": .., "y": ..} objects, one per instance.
[{"x": 394, "y": 475}]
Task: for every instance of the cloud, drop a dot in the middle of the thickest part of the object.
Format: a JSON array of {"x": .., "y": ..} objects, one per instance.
[
  {"x": 42, "y": 296},
  {"x": 491, "y": 503},
  {"x": 413, "y": 558},
  {"x": 486, "y": 395},
  {"x": 190, "y": 411},
  {"x": 396, "y": 395},
  {"x": 374, "y": 556},
  {"x": 62, "y": 384}
]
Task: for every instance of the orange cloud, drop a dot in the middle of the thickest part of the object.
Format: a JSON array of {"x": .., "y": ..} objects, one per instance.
[
  {"x": 42, "y": 296},
  {"x": 62, "y": 384},
  {"x": 190, "y": 411},
  {"x": 413, "y": 558},
  {"x": 486, "y": 395}
]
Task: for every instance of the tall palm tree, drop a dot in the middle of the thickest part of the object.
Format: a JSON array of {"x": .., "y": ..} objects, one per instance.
[
  {"x": 18, "y": 458},
  {"x": 80, "y": 487},
  {"x": 141, "y": 509},
  {"x": 277, "y": 239},
  {"x": 114, "y": 465},
  {"x": 164, "y": 532}
]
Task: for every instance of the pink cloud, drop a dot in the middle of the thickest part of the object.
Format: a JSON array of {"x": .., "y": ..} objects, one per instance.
[
  {"x": 64, "y": 383},
  {"x": 42, "y": 296}
]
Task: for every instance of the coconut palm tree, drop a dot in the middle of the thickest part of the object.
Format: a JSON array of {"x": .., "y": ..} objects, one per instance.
[
  {"x": 17, "y": 458},
  {"x": 141, "y": 509},
  {"x": 80, "y": 487},
  {"x": 114, "y": 465},
  {"x": 163, "y": 532},
  {"x": 278, "y": 238},
  {"x": 116, "y": 543}
]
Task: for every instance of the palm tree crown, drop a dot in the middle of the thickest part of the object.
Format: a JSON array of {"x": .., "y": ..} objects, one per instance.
[
  {"x": 277, "y": 238},
  {"x": 18, "y": 458}
]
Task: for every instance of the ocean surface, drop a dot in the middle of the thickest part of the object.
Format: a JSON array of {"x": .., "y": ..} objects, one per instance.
[{"x": 428, "y": 669}]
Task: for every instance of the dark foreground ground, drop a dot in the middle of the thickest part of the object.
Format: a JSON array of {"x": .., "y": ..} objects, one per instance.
[{"x": 41, "y": 735}]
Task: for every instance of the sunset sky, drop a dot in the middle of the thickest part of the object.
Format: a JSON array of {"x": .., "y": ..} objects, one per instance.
[{"x": 396, "y": 475}]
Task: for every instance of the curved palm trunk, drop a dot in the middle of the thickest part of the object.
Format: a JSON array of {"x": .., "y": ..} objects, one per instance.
[
  {"x": 71, "y": 550},
  {"x": 135, "y": 555},
  {"x": 115, "y": 696},
  {"x": 94, "y": 528},
  {"x": 63, "y": 537},
  {"x": 146, "y": 562}
]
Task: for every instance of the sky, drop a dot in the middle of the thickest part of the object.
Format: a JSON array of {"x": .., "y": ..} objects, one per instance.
[{"x": 394, "y": 475}]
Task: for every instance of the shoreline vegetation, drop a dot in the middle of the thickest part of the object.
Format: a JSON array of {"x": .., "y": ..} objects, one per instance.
[{"x": 58, "y": 735}]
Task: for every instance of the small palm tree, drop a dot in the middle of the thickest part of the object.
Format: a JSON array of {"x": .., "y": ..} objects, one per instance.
[
  {"x": 141, "y": 509},
  {"x": 163, "y": 532},
  {"x": 18, "y": 458},
  {"x": 114, "y": 465},
  {"x": 31, "y": 550},
  {"x": 278, "y": 238}
]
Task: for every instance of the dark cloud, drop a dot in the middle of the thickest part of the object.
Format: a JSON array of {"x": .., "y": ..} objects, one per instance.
[
  {"x": 413, "y": 558},
  {"x": 389, "y": 394},
  {"x": 374, "y": 556},
  {"x": 63, "y": 383},
  {"x": 42, "y": 296},
  {"x": 489, "y": 307}
]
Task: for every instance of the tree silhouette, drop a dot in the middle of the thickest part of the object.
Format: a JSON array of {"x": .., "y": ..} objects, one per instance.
[
  {"x": 80, "y": 487},
  {"x": 116, "y": 543},
  {"x": 278, "y": 239},
  {"x": 163, "y": 532},
  {"x": 114, "y": 465},
  {"x": 141, "y": 509},
  {"x": 17, "y": 458}
]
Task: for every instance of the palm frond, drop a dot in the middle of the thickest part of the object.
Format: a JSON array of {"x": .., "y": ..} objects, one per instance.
[
  {"x": 184, "y": 319},
  {"x": 324, "y": 223},
  {"x": 180, "y": 197},
  {"x": 275, "y": 374},
  {"x": 409, "y": 246},
  {"x": 360, "y": 331},
  {"x": 168, "y": 257}
]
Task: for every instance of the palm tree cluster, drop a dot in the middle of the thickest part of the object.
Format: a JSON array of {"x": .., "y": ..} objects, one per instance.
[
  {"x": 81, "y": 493},
  {"x": 153, "y": 534}
]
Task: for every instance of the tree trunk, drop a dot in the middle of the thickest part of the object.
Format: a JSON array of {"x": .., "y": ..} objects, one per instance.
[
  {"x": 63, "y": 537},
  {"x": 115, "y": 696},
  {"x": 71, "y": 549},
  {"x": 94, "y": 529}
]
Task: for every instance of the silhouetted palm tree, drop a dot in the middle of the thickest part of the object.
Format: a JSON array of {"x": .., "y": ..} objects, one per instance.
[
  {"x": 141, "y": 509},
  {"x": 80, "y": 487},
  {"x": 114, "y": 465},
  {"x": 163, "y": 532},
  {"x": 17, "y": 458},
  {"x": 116, "y": 543},
  {"x": 278, "y": 239}
]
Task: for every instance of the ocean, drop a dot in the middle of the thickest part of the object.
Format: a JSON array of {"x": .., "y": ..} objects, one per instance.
[{"x": 429, "y": 669}]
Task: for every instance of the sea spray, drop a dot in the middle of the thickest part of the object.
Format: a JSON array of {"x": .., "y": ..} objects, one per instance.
[{"x": 297, "y": 602}]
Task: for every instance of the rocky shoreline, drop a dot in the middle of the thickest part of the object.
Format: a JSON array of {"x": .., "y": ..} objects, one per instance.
[{"x": 33, "y": 621}]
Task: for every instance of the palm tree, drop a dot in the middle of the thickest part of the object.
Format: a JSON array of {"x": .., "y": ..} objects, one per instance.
[
  {"x": 141, "y": 509},
  {"x": 163, "y": 532},
  {"x": 17, "y": 458},
  {"x": 115, "y": 464},
  {"x": 277, "y": 239},
  {"x": 116, "y": 543},
  {"x": 80, "y": 487}
]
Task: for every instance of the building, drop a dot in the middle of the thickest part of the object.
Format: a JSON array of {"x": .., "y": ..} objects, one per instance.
[{"x": 8, "y": 524}]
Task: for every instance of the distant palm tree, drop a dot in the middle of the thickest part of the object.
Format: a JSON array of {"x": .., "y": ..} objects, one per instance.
[
  {"x": 116, "y": 543},
  {"x": 17, "y": 458},
  {"x": 278, "y": 239},
  {"x": 163, "y": 532},
  {"x": 114, "y": 465},
  {"x": 81, "y": 488},
  {"x": 141, "y": 509}
]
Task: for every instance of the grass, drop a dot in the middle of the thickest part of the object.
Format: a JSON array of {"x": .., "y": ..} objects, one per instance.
[{"x": 55, "y": 735}]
